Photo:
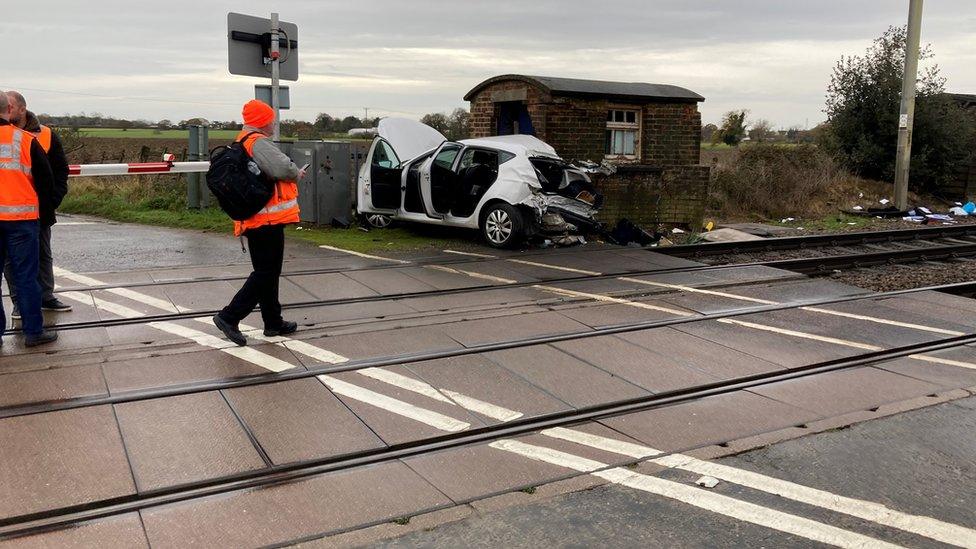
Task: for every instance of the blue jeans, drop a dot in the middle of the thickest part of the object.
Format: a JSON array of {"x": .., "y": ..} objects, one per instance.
[{"x": 19, "y": 243}]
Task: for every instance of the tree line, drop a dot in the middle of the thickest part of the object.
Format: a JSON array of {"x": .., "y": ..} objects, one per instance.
[{"x": 454, "y": 125}]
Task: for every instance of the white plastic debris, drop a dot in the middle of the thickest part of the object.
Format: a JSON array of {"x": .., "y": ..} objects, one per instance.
[
  {"x": 860, "y": 195},
  {"x": 787, "y": 219},
  {"x": 677, "y": 231},
  {"x": 957, "y": 211},
  {"x": 857, "y": 208},
  {"x": 851, "y": 223},
  {"x": 884, "y": 201},
  {"x": 707, "y": 482}
]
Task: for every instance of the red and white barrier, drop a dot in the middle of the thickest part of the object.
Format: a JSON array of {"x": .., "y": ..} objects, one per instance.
[{"x": 88, "y": 170}]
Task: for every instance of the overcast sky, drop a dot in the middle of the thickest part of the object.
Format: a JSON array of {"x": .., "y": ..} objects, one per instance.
[{"x": 168, "y": 59}]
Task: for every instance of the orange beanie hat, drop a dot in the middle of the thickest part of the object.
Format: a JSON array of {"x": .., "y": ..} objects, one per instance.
[{"x": 257, "y": 114}]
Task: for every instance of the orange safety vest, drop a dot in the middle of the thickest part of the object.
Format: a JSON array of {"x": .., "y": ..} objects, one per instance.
[
  {"x": 18, "y": 199},
  {"x": 282, "y": 209},
  {"x": 44, "y": 138}
]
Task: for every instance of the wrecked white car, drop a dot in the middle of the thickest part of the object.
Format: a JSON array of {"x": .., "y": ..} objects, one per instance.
[{"x": 508, "y": 187}]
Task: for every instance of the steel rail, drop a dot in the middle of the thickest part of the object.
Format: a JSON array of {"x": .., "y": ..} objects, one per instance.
[
  {"x": 812, "y": 265},
  {"x": 683, "y": 251},
  {"x": 817, "y": 241},
  {"x": 377, "y": 362},
  {"x": 44, "y": 521}
]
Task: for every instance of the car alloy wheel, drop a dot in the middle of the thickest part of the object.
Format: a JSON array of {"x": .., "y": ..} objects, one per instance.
[{"x": 499, "y": 226}]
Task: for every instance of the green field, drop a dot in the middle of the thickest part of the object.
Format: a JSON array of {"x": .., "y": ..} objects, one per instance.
[{"x": 149, "y": 133}]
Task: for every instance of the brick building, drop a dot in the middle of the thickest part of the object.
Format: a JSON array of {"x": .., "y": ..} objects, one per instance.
[{"x": 652, "y": 132}]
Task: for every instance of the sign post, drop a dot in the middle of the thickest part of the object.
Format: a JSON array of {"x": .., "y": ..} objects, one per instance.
[{"x": 275, "y": 54}]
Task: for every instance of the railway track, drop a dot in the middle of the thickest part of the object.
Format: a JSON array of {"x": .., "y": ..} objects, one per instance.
[{"x": 34, "y": 523}]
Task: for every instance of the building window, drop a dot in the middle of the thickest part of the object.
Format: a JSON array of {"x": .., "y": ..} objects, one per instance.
[{"x": 623, "y": 127}]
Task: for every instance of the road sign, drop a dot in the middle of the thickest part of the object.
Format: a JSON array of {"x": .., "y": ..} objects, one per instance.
[
  {"x": 249, "y": 47},
  {"x": 262, "y": 92}
]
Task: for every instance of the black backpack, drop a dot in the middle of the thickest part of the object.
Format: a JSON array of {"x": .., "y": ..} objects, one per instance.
[{"x": 236, "y": 181}]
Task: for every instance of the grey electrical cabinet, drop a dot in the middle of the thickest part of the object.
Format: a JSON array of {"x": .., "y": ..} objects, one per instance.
[{"x": 325, "y": 193}]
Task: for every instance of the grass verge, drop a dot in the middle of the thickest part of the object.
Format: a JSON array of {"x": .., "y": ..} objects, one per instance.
[{"x": 161, "y": 201}]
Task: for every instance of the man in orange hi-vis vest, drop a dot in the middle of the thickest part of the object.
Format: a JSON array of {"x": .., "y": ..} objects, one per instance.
[
  {"x": 26, "y": 188},
  {"x": 49, "y": 141},
  {"x": 265, "y": 230}
]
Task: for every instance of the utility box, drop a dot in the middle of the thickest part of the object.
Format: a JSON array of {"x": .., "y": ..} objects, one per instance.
[{"x": 324, "y": 194}]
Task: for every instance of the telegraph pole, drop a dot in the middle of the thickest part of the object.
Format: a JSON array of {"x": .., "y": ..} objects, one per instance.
[{"x": 907, "y": 111}]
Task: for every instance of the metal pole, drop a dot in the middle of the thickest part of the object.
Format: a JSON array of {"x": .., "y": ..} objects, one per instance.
[
  {"x": 907, "y": 112},
  {"x": 274, "y": 76}
]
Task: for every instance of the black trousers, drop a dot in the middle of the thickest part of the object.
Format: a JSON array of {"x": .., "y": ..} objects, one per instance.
[{"x": 267, "y": 247}]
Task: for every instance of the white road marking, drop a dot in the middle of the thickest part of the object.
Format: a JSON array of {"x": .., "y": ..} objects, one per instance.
[
  {"x": 884, "y": 321},
  {"x": 472, "y": 274},
  {"x": 556, "y": 267},
  {"x": 70, "y": 223},
  {"x": 946, "y": 361},
  {"x": 691, "y": 289},
  {"x": 608, "y": 299},
  {"x": 399, "y": 407},
  {"x": 821, "y": 310},
  {"x": 875, "y": 512},
  {"x": 450, "y": 397},
  {"x": 101, "y": 304},
  {"x": 360, "y": 254},
  {"x": 802, "y": 335},
  {"x": 122, "y": 292},
  {"x": 697, "y": 497},
  {"x": 248, "y": 354},
  {"x": 472, "y": 254}
]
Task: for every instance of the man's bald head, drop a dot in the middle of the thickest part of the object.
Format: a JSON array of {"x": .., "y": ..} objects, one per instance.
[
  {"x": 17, "y": 99},
  {"x": 18, "y": 108},
  {"x": 4, "y": 106}
]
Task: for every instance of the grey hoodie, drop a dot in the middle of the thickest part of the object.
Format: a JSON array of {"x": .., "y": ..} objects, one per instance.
[{"x": 273, "y": 163}]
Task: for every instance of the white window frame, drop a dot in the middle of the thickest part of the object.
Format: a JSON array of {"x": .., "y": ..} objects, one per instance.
[{"x": 635, "y": 126}]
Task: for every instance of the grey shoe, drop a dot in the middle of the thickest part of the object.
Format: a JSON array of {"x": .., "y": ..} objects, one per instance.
[
  {"x": 47, "y": 336},
  {"x": 55, "y": 304}
]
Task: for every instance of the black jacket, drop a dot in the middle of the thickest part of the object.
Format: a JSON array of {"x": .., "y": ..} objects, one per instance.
[
  {"x": 59, "y": 164},
  {"x": 43, "y": 180}
]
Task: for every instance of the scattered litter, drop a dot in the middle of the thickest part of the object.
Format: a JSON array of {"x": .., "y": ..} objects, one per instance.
[
  {"x": 957, "y": 211},
  {"x": 912, "y": 218},
  {"x": 299, "y": 228},
  {"x": 707, "y": 482},
  {"x": 677, "y": 231},
  {"x": 787, "y": 219},
  {"x": 884, "y": 201},
  {"x": 729, "y": 235},
  {"x": 710, "y": 225},
  {"x": 569, "y": 240},
  {"x": 857, "y": 208},
  {"x": 938, "y": 217},
  {"x": 959, "y": 204},
  {"x": 860, "y": 195},
  {"x": 851, "y": 223},
  {"x": 799, "y": 228},
  {"x": 969, "y": 207}
]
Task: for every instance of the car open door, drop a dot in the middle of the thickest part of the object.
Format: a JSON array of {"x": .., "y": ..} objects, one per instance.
[
  {"x": 379, "y": 180},
  {"x": 438, "y": 180}
]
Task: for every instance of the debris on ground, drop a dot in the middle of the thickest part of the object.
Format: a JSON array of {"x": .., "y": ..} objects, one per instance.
[
  {"x": 627, "y": 232},
  {"x": 728, "y": 235},
  {"x": 707, "y": 482}
]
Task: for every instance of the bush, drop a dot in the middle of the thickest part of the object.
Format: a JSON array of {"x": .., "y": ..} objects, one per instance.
[
  {"x": 862, "y": 109},
  {"x": 773, "y": 181}
]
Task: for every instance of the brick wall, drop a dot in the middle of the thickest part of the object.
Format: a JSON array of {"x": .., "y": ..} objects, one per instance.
[
  {"x": 666, "y": 185},
  {"x": 648, "y": 196}
]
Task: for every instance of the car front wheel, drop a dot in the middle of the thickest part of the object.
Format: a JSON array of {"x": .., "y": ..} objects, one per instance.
[
  {"x": 379, "y": 221},
  {"x": 502, "y": 226}
]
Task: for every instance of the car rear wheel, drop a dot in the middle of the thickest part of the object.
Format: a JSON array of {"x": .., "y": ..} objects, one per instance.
[
  {"x": 502, "y": 226},
  {"x": 379, "y": 221}
]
